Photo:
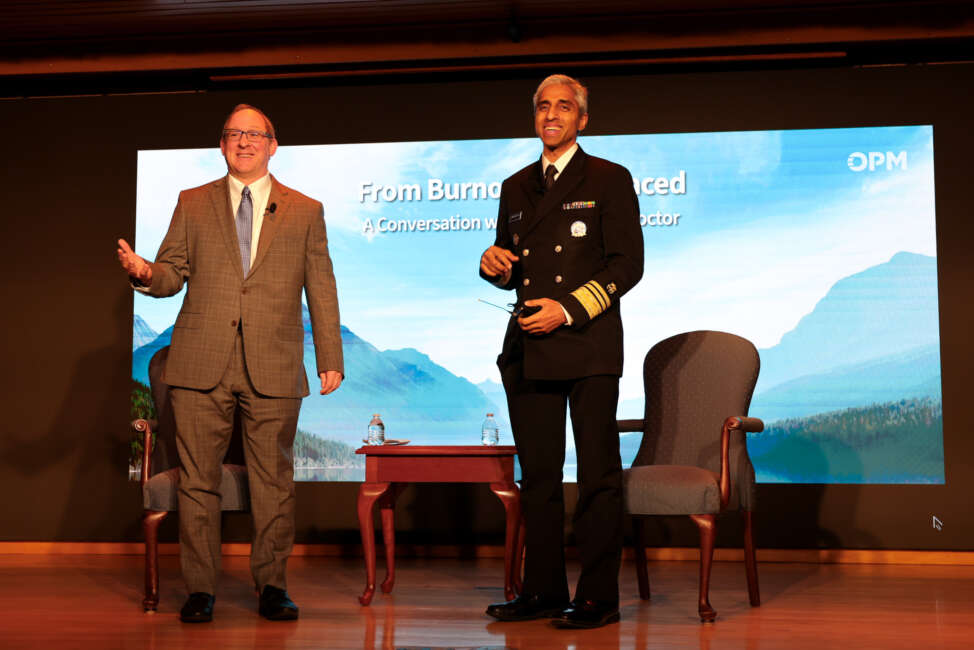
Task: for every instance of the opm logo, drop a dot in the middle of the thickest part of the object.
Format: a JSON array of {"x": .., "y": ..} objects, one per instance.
[{"x": 873, "y": 160}]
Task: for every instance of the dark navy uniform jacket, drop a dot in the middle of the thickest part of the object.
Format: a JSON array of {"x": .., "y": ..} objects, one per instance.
[{"x": 580, "y": 244}]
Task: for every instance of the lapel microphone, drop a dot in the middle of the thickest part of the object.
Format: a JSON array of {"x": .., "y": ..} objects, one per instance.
[{"x": 272, "y": 208}]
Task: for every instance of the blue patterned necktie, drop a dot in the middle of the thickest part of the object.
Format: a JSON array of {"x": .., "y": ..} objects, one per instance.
[{"x": 245, "y": 220}]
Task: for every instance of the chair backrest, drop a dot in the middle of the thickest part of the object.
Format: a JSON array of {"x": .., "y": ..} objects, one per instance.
[
  {"x": 693, "y": 382},
  {"x": 164, "y": 454}
]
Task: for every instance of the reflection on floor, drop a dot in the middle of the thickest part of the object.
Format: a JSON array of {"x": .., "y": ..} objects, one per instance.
[{"x": 86, "y": 601}]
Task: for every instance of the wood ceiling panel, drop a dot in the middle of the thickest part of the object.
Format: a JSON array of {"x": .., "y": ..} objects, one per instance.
[
  {"x": 203, "y": 38},
  {"x": 88, "y": 20}
]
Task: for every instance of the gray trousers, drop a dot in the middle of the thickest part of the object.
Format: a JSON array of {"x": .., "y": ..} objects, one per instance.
[{"x": 204, "y": 423}]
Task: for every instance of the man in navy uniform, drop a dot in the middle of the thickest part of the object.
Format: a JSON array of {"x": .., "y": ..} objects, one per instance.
[{"x": 569, "y": 242}]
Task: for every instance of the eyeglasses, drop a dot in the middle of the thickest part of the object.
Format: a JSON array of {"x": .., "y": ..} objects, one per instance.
[
  {"x": 233, "y": 135},
  {"x": 514, "y": 309}
]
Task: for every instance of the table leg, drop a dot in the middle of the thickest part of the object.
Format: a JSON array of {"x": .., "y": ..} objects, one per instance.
[
  {"x": 387, "y": 507},
  {"x": 368, "y": 494},
  {"x": 511, "y": 498}
]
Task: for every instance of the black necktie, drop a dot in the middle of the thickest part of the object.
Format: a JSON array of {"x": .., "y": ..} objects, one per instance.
[{"x": 549, "y": 177}]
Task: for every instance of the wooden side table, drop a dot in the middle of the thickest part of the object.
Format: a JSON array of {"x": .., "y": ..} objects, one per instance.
[{"x": 389, "y": 467}]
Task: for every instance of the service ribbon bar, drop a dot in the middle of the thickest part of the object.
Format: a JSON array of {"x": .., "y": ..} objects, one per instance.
[{"x": 578, "y": 205}]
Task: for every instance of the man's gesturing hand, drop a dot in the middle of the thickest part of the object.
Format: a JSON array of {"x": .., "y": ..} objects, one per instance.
[
  {"x": 548, "y": 319},
  {"x": 497, "y": 262},
  {"x": 134, "y": 265}
]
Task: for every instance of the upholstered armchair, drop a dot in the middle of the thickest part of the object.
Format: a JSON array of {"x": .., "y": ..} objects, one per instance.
[
  {"x": 160, "y": 474},
  {"x": 693, "y": 457}
]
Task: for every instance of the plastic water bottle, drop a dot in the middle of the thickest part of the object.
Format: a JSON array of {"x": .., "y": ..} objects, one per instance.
[
  {"x": 489, "y": 433},
  {"x": 377, "y": 431}
]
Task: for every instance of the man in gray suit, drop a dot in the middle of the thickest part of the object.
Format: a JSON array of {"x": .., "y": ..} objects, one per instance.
[{"x": 245, "y": 246}]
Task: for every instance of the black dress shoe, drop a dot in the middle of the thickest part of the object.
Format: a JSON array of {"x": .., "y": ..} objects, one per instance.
[
  {"x": 588, "y": 613},
  {"x": 526, "y": 608},
  {"x": 198, "y": 608},
  {"x": 276, "y": 606}
]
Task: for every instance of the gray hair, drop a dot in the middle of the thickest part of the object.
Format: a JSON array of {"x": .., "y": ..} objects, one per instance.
[{"x": 580, "y": 91}]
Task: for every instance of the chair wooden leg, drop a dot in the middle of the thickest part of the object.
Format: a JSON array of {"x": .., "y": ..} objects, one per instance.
[
  {"x": 639, "y": 551},
  {"x": 750, "y": 560},
  {"x": 150, "y": 531},
  {"x": 707, "y": 524}
]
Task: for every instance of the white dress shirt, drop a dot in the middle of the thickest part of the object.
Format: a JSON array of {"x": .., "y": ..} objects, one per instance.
[{"x": 559, "y": 164}]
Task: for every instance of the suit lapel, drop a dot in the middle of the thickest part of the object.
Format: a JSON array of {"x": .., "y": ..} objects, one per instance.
[
  {"x": 272, "y": 218},
  {"x": 567, "y": 181},
  {"x": 220, "y": 198}
]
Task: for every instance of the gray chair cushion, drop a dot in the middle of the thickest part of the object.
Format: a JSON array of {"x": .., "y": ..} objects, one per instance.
[
  {"x": 159, "y": 492},
  {"x": 670, "y": 490}
]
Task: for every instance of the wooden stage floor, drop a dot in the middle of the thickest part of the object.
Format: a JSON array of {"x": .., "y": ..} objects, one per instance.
[{"x": 94, "y": 601}]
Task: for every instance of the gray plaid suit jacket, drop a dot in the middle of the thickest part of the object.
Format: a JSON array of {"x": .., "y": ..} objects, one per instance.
[{"x": 200, "y": 249}]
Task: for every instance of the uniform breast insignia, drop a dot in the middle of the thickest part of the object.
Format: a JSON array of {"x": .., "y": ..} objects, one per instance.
[
  {"x": 579, "y": 229},
  {"x": 515, "y": 217},
  {"x": 578, "y": 205},
  {"x": 516, "y": 239},
  {"x": 611, "y": 288}
]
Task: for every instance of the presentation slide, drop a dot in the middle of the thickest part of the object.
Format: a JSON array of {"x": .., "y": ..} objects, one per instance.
[{"x": 818, "y": 245}]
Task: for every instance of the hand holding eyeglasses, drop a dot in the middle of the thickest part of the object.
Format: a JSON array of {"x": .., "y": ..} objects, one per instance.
[{"x": 541, "y": 315}]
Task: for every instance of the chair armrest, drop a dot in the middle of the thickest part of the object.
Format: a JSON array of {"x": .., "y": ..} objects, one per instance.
[
  {"x": 145, "y": 426},
  {"x": 751, "y": 425},
  {"x": 629, "y": 425},
  {"x": 733, "y": 423}
]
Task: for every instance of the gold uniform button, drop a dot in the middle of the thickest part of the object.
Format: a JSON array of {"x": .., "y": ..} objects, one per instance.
[
  {"x": 526, "y": 252},
  {"x": 557, "y": 279},
  {"x": 527, "y": 281},
  {"x": 558, "y": 248}
]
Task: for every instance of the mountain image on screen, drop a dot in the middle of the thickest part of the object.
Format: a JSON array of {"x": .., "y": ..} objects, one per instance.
[
  {"x": 418, "y": 400},
  {"x": 142, "y": 334},
  {"x": 853, "y": 393}
]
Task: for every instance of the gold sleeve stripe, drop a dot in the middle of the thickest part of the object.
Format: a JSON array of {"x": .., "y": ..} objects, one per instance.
[
  {"x": 588, "y": 301},
  {"x": 592, "y": 297},
  {"x": 600, "y": 292}
]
